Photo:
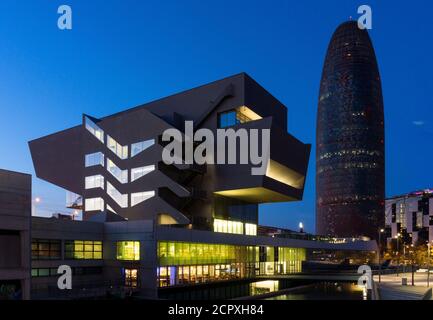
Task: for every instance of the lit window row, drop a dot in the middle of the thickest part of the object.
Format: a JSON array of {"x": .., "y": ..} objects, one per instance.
[
  {"x": 117, "y": 148},
  {"x": 121, "y": 175},
  {"x": 139, "y": 147},
  {"x": 87, "y": 250},
  {"x": 139, "y": 197},
  {"x": 49, "y": 249},
  {"x": 137, "y": 173},
  {"x": 226, "y": 226},
  {"x": 94, "y": 159},
  {"x": 354, "y": 152},
  {"x": 82, "y": 250},
  {"x": 350, "y": 165},
  {"x": 235, "y": 227},
  {"x": 121, "y": 199},
  {"x": 94, "y": 129},
  {"x": 121, "y": 151},
  {"x": 97, "y": 158},
  {"x": 250, "y": 229},
  {"x": 96, "y": 181},
  {"x": 94, "y": 204},
  {"x": 97, "y": 204}
]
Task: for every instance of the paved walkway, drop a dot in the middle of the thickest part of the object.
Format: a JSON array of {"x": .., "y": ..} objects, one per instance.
[{"x": 391, "y": 288}]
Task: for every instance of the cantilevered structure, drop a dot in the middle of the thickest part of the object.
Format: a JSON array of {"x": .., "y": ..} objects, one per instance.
[
  {"x": 115, "y": 163},
  {"x": 152, "y": 227}
]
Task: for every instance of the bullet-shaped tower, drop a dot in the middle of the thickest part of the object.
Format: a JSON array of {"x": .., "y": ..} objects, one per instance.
[{"x": 350, "y": 157}]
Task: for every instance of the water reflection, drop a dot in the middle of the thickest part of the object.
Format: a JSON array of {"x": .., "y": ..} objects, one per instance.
[{"x": 326, "y": 291}]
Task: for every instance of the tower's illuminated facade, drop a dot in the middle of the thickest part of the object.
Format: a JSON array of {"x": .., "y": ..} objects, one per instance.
[{"x": 350, "y": 167}]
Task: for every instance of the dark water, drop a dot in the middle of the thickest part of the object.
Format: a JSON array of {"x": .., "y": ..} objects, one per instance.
[
  {"x": 325, "y": 291},
  {"x": 222, "y": 291}
]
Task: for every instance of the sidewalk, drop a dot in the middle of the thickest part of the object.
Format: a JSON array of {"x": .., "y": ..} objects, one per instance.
[{"x": 391, "y": 288}]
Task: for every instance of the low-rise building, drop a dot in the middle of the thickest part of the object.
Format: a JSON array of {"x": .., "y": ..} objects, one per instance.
[{"x": 15, "y": 213}]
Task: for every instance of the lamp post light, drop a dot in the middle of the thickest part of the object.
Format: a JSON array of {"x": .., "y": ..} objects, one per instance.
[
  {"x": 35, "y": 202},
  {"x": 428, "y": 264},
  {"x": 412, "y": 260},
  {"x": 397, "y": 237},
  {"x": 301, "y": 227},
  {"x": 380, "y": 252}
]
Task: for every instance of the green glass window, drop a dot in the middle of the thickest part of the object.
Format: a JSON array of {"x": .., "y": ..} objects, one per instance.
[
  {"x": 129, "y": 250},
  {"x": 87, "y": 250}
]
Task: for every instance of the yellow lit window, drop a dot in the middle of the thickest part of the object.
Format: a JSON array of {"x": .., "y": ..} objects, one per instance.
[
  {"x": 250, "y": 229},
  {"x": 128, "y": 250},
  {"x": 226, "y": 226},
  {"x": 79, "y": 249}
]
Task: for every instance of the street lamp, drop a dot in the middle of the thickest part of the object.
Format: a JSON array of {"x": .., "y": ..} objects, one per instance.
[
  {"x": 397, "y": 237},
  {"x": 428, "y": 263},
  {"x": 301, "y": 227},
  {"x": 380, "y": 251},
  {"x": 35, "y": 202}
]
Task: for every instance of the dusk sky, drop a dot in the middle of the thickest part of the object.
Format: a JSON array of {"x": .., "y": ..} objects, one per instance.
[{"x": 120, "y": 54}]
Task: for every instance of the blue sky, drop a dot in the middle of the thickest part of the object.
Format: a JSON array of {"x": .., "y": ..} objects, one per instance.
[{"x": 123, "y": 53}]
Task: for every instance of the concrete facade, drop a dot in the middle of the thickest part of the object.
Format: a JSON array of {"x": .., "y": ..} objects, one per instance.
[{"x": 15, "y": 213}]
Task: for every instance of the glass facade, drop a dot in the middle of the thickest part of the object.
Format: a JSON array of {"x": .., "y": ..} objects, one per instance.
[
  {"x": 137, "y": 173},
  {"x": 121, "y": 199},
  {"x": 96, "y": 181},
  {"x": 226, "y": 208},
  {"x": 140, "y": 197},
  {"x": 350, "y": 166},
  {"x": 120, "y": 175},
  {"x": 94, "y": 129},
  {"x": 128, "y": 250},
  {"x": 237, "y": 116},
  {"x": 138, "y": 147},
  {"x": 189, "y": 263},
  {"x": 94, "y": 159},
  {"x": 250, "y": 229},
  {"x": 87, "y": 250},
  {"x": 94, "y": 204},
  {"x": 226, "y": 226},
  {"x": 117, "y": 148}
]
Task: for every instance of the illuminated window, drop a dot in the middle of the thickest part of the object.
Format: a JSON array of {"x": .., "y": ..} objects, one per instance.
[
  {"x": 46, "y": 249},
  {"x": 227, "y": 226},
  {"x": 131, "y": 278},
  {"x": 237, "y": 116},
  {"x": 117, "y": 148},
  {"x": 140, "y": 197},
  {"x": 181, "y": 263},
  {"x": 94, "y": 204},
  {"x": 128, "y": 250},
  {"x": 94, "y": 129},
  {"x": 250, "y": 229},
  {"x": 94, "y": 159},
  {"x": 137, "y": 173},
  {"x": 87, "y": 250},
  {"x": 121, "y": 199},
  {"x": 111, "y": 209},
  {"x": 121, "y": 175},
  {"x": 138, "y": 147},
  {"x": 94, "y": 182}
]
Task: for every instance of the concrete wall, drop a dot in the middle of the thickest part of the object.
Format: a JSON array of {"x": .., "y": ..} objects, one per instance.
[{"x": 15, "y": 213}]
